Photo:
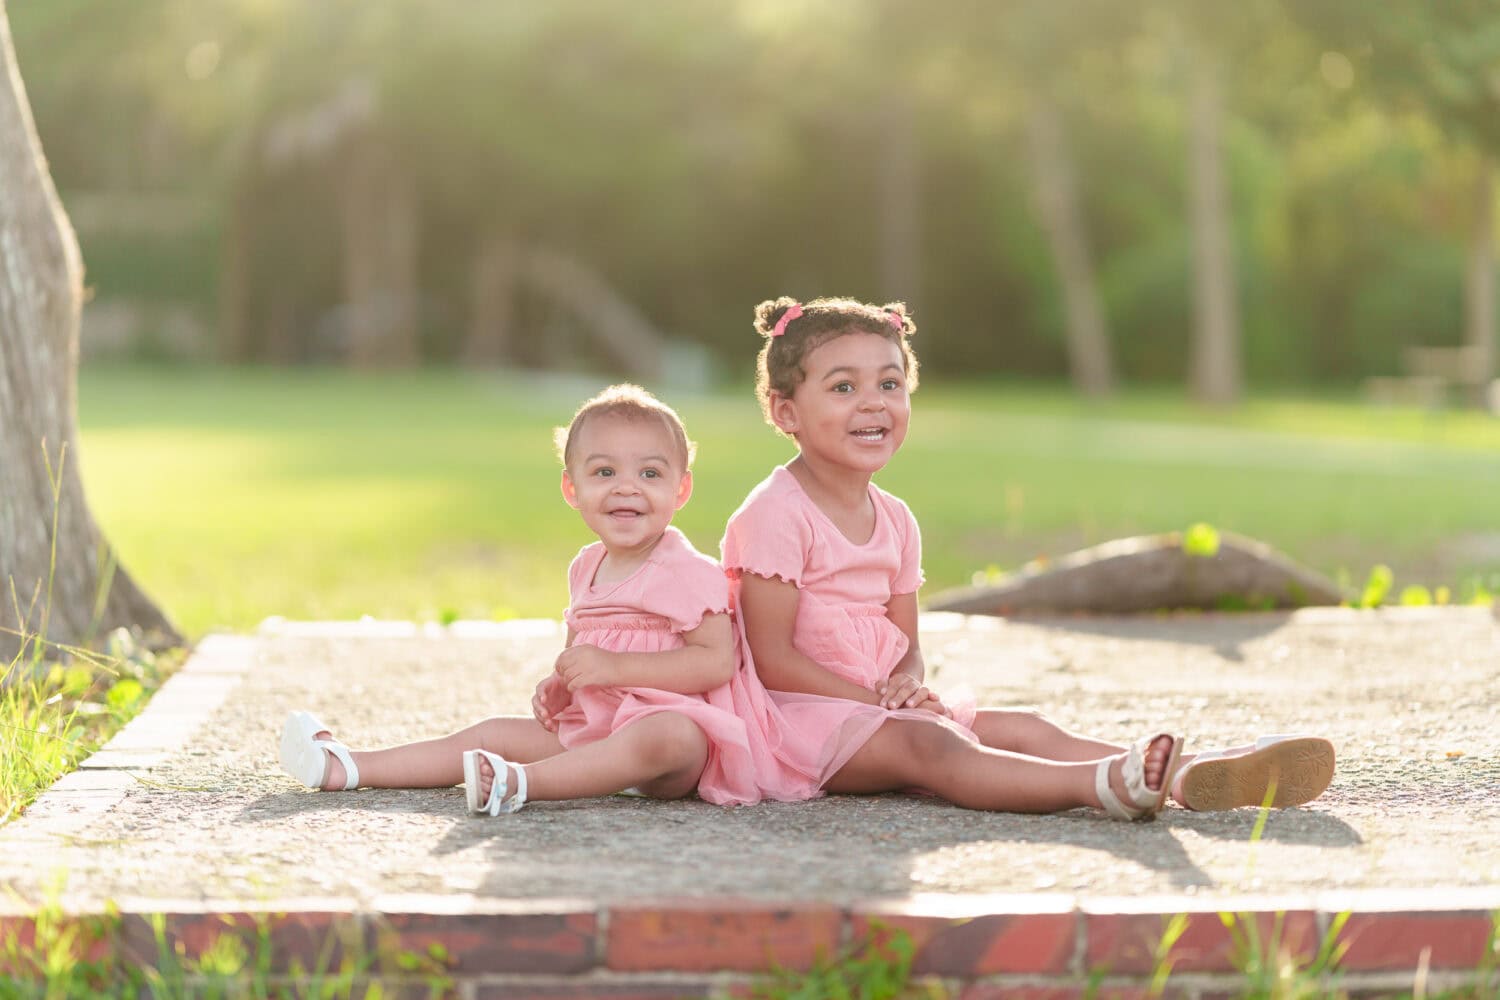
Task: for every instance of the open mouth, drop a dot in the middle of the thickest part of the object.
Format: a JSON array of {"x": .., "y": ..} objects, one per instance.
[
  {"x": 623, "y": 514},
  {"x": 870, "y": 433}
]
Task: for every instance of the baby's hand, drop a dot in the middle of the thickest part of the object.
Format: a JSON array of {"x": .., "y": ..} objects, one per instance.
[
  {"x": 582, "y": 665},
  {"x": 932, "y": 704},
  {"x": 902, "y": 691},
  {"x": 550, "y": 698}
]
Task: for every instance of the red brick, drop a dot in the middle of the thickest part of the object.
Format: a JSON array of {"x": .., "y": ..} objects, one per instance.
[
  {"x": 704, "y": 938},
  {"x": 983, "y": 944},
  {"x": 1126, "y": 943},
  {"x": 94, "y": 938},
  {"x": 593, "y": 989},
  {"x": 1380, "y": 941},
  {"x": 1007, "y": 991},
  {"x": 481, "y": 943},
  {"x": 305, "y": 940}
]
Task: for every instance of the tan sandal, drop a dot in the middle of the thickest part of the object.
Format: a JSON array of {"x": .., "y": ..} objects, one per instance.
[
  {"x": 1144, "y": 802},
  {"x": 1298, "y": 767}
]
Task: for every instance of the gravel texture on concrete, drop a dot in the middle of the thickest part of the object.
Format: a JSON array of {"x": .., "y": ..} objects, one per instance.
[{"x": 190, "y": 804}]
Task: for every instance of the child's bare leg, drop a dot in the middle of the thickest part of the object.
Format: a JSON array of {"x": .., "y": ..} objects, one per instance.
[
  {"x": 1029, "y": 732},
  {"x": 907, "y": 753},
  {"x": 662, "y": 754},
  {"x": 438, "y": 763}
]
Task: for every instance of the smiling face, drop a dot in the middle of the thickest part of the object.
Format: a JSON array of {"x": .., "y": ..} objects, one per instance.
[
  {"x": 851, "y": 411},
  {"x": 626, "y": 477}
]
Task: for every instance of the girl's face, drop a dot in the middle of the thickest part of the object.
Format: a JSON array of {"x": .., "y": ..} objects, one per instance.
[
  {"x": 852, "y": 409},
  {"x": 627, "y": 480}
]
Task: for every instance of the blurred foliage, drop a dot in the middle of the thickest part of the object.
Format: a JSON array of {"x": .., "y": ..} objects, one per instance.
[{"x": 702, "y": 157}]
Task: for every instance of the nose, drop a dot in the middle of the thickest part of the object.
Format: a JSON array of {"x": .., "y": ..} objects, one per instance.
[{"x": 870, "y": 400}]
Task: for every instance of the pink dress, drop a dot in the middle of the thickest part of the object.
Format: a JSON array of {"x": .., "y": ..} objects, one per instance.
[
  {"x": 779, "y": 532},
  {"x": 648, "y": 612}
]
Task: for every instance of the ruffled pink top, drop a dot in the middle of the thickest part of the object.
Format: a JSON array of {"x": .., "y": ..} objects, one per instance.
[
  {"x": 780, "y": 533},
  {"x": 648, "y": 612}
]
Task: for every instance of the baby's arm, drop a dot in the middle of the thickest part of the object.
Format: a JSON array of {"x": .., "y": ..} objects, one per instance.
[
  {"x": 769, "y": 610},
  {"x": 705, "y": 661},
  {"x": 904, "y": 687}
]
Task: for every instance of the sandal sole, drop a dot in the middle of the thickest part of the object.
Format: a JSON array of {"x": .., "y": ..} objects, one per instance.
[
  {"x": 471, "y": 781},
  {"x": 1301, "y": 769}
]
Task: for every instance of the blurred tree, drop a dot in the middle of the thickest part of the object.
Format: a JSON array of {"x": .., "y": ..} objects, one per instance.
[
  {"x": 63, "y": 582},
  {"x": 1018, "y": 65},
  {"x": 1439, "y": 59},
  {"x": 1047, "y": 41}
]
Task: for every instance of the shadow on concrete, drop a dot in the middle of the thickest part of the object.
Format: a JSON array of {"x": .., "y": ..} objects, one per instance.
[
  {"x": 1225, "y": 634},
  {"x": 1309, "y": 827}
]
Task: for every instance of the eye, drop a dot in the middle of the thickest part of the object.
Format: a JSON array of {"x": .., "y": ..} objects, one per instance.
[
  {"x": 650, "y": 474},
  {"x": 604, "y": 472},
  {"x": 843, "y": 387},
  {"x": 890, "y": 384}
]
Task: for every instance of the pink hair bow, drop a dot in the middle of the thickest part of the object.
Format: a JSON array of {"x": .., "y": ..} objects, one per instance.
[
  {"x": 896, "y": 321},
  {"x": 786, "y": 317}
]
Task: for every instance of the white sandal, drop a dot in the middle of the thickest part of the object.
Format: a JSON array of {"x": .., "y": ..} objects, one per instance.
[
  {"x": 1144, "y": 802},
  {"x": 497, "y": 803},
  {"x": 1300, "y": 767},
  {"x": 305, "y": 757}
]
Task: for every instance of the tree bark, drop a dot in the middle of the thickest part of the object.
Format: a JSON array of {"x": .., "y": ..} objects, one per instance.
[
  {"x": 236, "y": 254},
  {"x": 492, "y": 313},
  {"x": 1479, "y": 288},
  {"x": 1216, "y": 334},
  {"x": 900, "y": 202},
  {"x": 1056, "y": 195},
  {"x": 379, "y": 215},
  {"x": 61, "y": 580}
]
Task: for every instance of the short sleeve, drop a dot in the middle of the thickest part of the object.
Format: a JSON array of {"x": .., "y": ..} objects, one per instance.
[
  {"x": 909, "y": 578},
  {"x": 767, "y": 538},
  {"x": 580, "y": 570},
  {"x": 696, "y": 586},
  {"x": 578, "y": 576}
]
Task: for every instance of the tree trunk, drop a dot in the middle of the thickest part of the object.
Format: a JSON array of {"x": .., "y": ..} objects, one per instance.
[
  {"x": 1216, "y": 334},
  {"x": 1479, "y": 288},
  {"x": 900, "y": 203},
  {"x": 235, "y": 257},
  {"x": 53, "y": 559},
  {"x": 379, "y": 215},
  {"x": 1056, "y": 195},
  {"x": 492, "y": 313}
]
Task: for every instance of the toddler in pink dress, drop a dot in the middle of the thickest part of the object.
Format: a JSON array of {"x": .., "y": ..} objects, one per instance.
[
  {"x": 826, "y": 568},
  {"x": 841, "y": 622},
  {"x": 649, "y": 612},
  {"x": 640, "y": 698}
]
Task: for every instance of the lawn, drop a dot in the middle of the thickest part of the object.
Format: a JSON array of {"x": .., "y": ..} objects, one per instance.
[{"x": 238, "y": 494}]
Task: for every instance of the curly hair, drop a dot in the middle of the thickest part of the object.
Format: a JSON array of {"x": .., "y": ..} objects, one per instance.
[
  {"x": 633, "y": 403},
  {"x": 778, "y": 368}
]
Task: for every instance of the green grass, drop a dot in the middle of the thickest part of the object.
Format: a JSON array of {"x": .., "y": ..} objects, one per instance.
[
  {"x": 237, "y": 494},
  {"x": 54, "y": 715}
]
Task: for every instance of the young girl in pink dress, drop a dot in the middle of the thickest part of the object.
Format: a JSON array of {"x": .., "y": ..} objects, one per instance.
[
  {"x": 826, "y": 568},
  {"x": 639, "y": 697}
]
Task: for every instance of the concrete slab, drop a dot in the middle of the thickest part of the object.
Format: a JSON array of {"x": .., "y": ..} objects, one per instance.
[{"x": 192, "y": 812}]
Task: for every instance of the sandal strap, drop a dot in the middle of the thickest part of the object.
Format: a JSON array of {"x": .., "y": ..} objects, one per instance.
[
  {"x": 519, "y": 799},
  {"x": 1107, "y": 797},
  {"x": 497, "y": 803},
  {"x": 339, "y": 750}
]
